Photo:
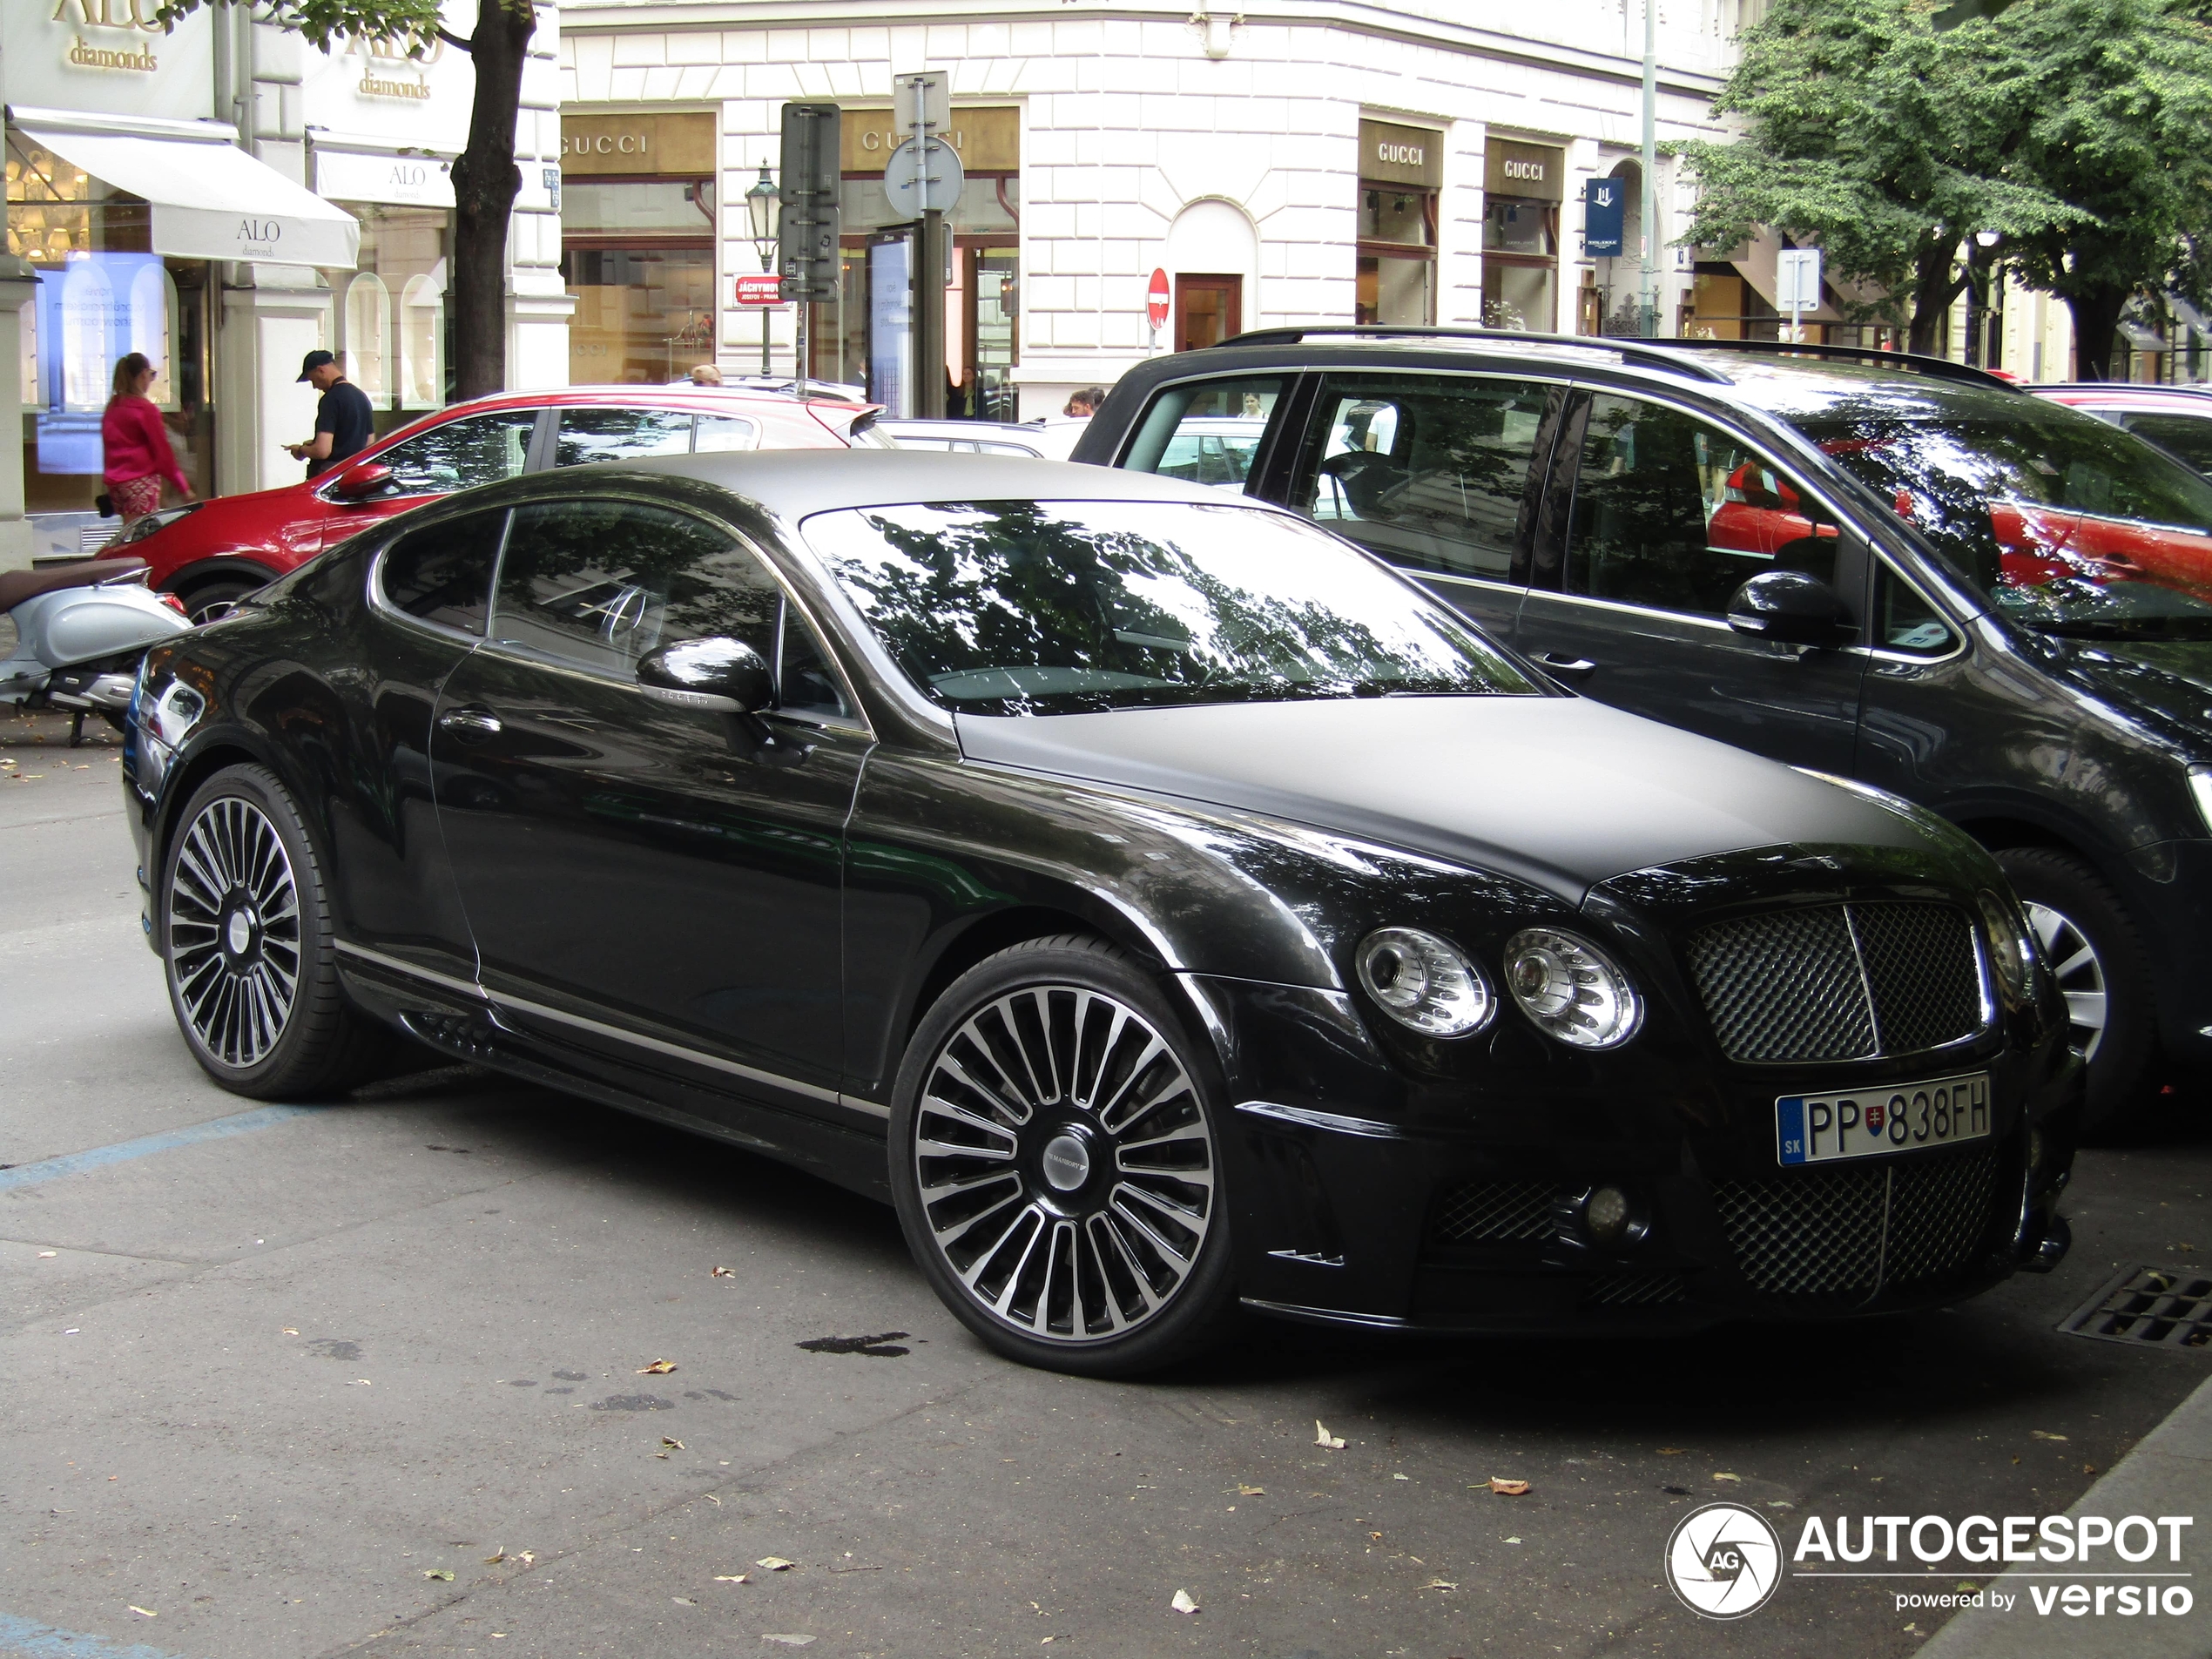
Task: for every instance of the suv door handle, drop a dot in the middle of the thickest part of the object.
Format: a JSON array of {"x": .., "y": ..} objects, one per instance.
[
  {"x": 1567, "y": 667},
  {"x": 471, "y": 724}
]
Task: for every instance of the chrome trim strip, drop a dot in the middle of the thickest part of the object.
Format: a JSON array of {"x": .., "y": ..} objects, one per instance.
[
  {"x": 1328, "y": 1123},
  {"x": 1327, "y": 1316},
  {"x": 751, "y": 1074}
]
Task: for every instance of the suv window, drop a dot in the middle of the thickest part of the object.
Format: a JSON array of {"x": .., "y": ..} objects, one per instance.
[
  {"x": 621, "y": 434},
  {"x": 441, "y": 572},
  {"x": 1207, "y": 433},
  {"x": 459, "y": 455},
  {"x": 2186, "y": 437},
  {"x": 1431, "y": 474},
  {"x": 1675, "y": 514},
  {"x": 1910, "y": 624}
]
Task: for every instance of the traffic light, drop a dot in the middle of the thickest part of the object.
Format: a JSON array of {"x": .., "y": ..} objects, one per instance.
[{"x": 807, "y": 237}]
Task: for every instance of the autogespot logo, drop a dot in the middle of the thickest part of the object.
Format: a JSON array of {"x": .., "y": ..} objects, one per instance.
[{"x": 1724, "y": 1561}]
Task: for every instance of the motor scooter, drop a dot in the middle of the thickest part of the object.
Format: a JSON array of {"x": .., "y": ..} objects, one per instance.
[{"x": 80, "y": 631}]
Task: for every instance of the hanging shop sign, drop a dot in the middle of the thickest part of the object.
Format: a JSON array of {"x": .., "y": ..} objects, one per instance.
[
  {"x": 1605, "y": 206},
  {"x": 1390, "y": 154},
  {"x": 679, "y": 147}
]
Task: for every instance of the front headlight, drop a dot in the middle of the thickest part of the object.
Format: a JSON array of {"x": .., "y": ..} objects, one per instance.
[
  {"x": 1571, "y": 989},
  {"x": 2010, "y": 951},
  {"x": 1425, "y": 984}
]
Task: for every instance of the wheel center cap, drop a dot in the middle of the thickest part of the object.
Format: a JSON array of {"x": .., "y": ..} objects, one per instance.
[
  {"x": 237, "y": 932},
  {"x": 1066, "y": 1163}
]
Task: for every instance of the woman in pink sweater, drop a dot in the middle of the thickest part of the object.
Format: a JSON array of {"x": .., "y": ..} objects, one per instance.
[{"x": 137, "y": 444}]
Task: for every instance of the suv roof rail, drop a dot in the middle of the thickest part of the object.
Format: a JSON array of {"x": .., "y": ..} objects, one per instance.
[
  {"x": 1941, "y": 368},
  {"x": 1629, "y": 351}
]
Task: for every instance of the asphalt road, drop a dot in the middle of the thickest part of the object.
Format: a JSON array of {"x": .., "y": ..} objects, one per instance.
[{"x": 368, "y": 1379}]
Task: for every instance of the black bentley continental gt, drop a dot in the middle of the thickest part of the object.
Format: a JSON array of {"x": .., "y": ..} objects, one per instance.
[{"x": 1165, "y": 904}]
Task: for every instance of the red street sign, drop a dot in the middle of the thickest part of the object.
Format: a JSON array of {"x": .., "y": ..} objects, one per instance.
[
  {"x": 760, "y": 290},
  {"x": 1156, "y": 303}
]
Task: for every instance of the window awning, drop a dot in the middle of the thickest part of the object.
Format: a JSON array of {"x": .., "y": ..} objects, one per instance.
[{"x": 210, "y": 200}]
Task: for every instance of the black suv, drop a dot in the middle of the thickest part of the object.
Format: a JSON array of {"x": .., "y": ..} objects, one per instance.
[{"x": 1886, "y": 568}]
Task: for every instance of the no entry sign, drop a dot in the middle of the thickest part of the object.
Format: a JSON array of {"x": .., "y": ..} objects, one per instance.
[
  {"x": 760, "y": 290},
  {"x": 1156, "y": 302}
]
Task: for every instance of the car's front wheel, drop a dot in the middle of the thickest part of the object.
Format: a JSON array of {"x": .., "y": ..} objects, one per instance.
[
  {"x": 246, "y": 945},
  {"x": 214, "y": 599},
  {"x": 1056, "y": 1158}
]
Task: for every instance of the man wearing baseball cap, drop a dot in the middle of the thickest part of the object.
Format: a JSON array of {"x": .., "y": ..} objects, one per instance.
[{"x": 344, "y": 422}]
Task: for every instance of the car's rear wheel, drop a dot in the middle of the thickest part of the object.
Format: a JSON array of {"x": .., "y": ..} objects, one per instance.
[
  {"x": 248, "y": 947},
  {"x": 211, "y": 600},
  {"x": 1056, "y": 1158},
  {"x": 2096, "y": 954}
]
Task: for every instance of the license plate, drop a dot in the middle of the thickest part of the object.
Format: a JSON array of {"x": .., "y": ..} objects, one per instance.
[{"x": 1865, "y": 1123}]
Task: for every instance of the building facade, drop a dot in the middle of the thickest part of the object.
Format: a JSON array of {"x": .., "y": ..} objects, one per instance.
[
  {"x": 1336, "y": 164},
  {"x": 226, "y": 198}
]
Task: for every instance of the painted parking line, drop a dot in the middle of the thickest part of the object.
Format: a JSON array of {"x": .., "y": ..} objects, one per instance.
[
  {"x": 35, "y": 1641},
  {"x": 98, "y": 1157}
]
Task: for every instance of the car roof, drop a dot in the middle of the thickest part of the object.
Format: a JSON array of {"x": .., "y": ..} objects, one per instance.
[
  {"x": 795, "y": 482},
  {"x": 705, "y": 398}
]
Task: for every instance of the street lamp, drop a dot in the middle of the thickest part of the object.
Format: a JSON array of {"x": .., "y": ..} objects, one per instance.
[
  {"x": 763, "y": 202},
  {"x": 1979, "y": 283}
]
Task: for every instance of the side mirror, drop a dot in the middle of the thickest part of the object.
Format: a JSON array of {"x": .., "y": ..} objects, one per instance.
[
  {"x": 359, "y": 483},
  {"x": 723, "y": 675},
  {"x": 1791, "y": 608}
]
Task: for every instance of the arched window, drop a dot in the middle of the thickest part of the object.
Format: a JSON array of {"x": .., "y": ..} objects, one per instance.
[
  {"x": 154, "y": 326},
  {"x": 88, "y": 357},
  {"x": 422, "y": 344},
  {"x": 367, "y": 338}
]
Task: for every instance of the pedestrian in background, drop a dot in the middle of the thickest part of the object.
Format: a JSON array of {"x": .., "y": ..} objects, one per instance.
[
  {"x": 344, "y": 421},
  {"x": 135, "y": 443},
  {"x": 1084, "y": 404},
  {"x": 706, "y": 374}
]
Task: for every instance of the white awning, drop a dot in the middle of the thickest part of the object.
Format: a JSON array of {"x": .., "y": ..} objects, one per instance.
[{"x": 210, "y": 200}]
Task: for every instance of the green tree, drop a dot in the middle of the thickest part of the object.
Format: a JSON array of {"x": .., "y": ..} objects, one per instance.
[
  {"x": 485, "y": 178},
  {"x": 1872, "y": 134},
  {"x": 2116, "y": 109}
]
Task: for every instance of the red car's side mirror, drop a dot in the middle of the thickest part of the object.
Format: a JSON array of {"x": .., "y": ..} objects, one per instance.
[{"x": 371, "y": 478}]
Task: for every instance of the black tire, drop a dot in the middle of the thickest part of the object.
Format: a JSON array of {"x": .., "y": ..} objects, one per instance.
[
  {"x": 210, "y": 600},
  {"x": 235, "y": 921},
  {"x": 2074, "y": 910},
  {"x": 1111, "y": 1164}
]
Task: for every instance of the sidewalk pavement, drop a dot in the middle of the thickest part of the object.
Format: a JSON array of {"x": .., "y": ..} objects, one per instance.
[{"x": 2169, "y": 1473}]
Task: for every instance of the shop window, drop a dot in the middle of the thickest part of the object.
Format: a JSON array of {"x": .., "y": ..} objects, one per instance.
[
  {"x": 1397, "y": 255},
  {"x": 422, "y": 342},
  {"x": 396, "y": 352},
  {"x": 1523, "y": 186},
  {"x": 365, "y": 344}
]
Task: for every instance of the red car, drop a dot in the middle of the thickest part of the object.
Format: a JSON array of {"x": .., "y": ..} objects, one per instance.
[
  {"x": 2178, "y": 419},
  {"x": 214, "y": 553}
]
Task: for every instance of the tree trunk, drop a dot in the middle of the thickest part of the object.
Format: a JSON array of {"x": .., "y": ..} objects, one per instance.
[
  {"x": 1933, "y": 289},
  {"x": 2096, "y": 321},
  {"x": 485, "y": 183}
]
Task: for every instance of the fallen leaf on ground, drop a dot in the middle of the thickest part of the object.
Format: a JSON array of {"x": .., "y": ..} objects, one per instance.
[
  {"x": 683, "y": 1601},
  {"x": 1183, "y": 1603},
  {"x": 1439, "y": 1584},
  {"x": 437, "y": 1572},
  {"x": 2043, "y": 1434},
  {"x": 793, "y": 1640},
  {"x": 775, "y": 1563},
  {"x": 1322, "y": 1437},
  {"x": 289, "y": 1331},
  {"x": 1513, "y": 1540},
  {"x": 1670, "y": 1450},
  {"x": 1723, "y": 1474},
  {"x": 673, "y": 1446},
  {"x": 711, "y": 1498},
  {"x": 730, "y": 1578},
  {"x": 494, "y": 1561},
  {"x": 1252, "y": 1492},
  {"x": 658, "y": 1368},
  {"x": 2088, "y": 1469},
  {"x": 145, "y": 1612},
  {"x": 1401, "y": 1477},
  {"x": 1506, "y": 1488},
  {"x": 527, "y": 1557},
  {"x": 725, "y": 1272},
  {"x": 48, "y": 1255}
]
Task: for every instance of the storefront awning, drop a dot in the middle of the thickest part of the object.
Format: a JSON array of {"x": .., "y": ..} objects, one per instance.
[{"x": 210, "y": 200}]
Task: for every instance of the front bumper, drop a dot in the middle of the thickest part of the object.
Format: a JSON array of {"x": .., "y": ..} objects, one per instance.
[
  {"x": 2174, "y": 902},
  {"x": 1358, "y": 1201}
]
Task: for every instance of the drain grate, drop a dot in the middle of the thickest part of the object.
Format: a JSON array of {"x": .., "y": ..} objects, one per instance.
[{"x": 2153, "y": 1305}]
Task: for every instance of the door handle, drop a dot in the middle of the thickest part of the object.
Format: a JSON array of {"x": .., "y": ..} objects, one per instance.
[
  {"x": 1573, "y": 668},
  {"x": 471, "y": 724}
]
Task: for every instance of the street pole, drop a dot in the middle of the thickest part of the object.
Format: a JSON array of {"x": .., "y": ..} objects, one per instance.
[{"x": 1649, "y": 299}]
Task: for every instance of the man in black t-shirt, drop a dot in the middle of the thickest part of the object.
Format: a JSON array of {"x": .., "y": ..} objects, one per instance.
[{"x": 344, "y": 422}]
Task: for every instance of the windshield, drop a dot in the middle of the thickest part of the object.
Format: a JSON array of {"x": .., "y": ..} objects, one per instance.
[
  {"x": 1067, "y": 607},
  {"x": 2067, "y": 523}
]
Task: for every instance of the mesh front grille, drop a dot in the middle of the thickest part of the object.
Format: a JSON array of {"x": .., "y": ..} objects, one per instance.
[
  {"x": 1839, "y": 981},
  {"x": 1489, "y": 1212},
  {"x": 1852, "y": 1230},
  {"x": 1635, "y": 1287}
]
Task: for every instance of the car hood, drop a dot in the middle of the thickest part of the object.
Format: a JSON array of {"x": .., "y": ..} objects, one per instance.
[
  {"x": 2165, "y": 683},
  {"x": 1561, "y": 792}
]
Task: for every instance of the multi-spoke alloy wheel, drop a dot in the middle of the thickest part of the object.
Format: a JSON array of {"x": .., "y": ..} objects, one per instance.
[
  {"x": 1061, "y": 1173},
  {"x": 2079, "y": 974},
  {"x": 234, "y": 932}
]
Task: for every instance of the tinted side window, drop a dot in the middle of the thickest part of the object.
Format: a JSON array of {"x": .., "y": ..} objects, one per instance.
[
  {"x": 2186, "y": 437},
  {"x": 604, "y": 582},
  {"x": 475, "y": 450},
  {"x": 620, "y": 435},
  {"x": 721, "y": 432},
  {"x": 1430, "y": 473},
  {"x": 804, "y": 682},
  {"x": 441, "y": 572},
  {"x": 1674, "y": 515},
  {"x": 1207, "y": 433},
  {"x": 1909, "y": 622}
]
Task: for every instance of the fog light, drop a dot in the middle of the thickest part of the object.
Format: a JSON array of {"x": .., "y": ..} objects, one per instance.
[{"x": 1605, "y": 1214}]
